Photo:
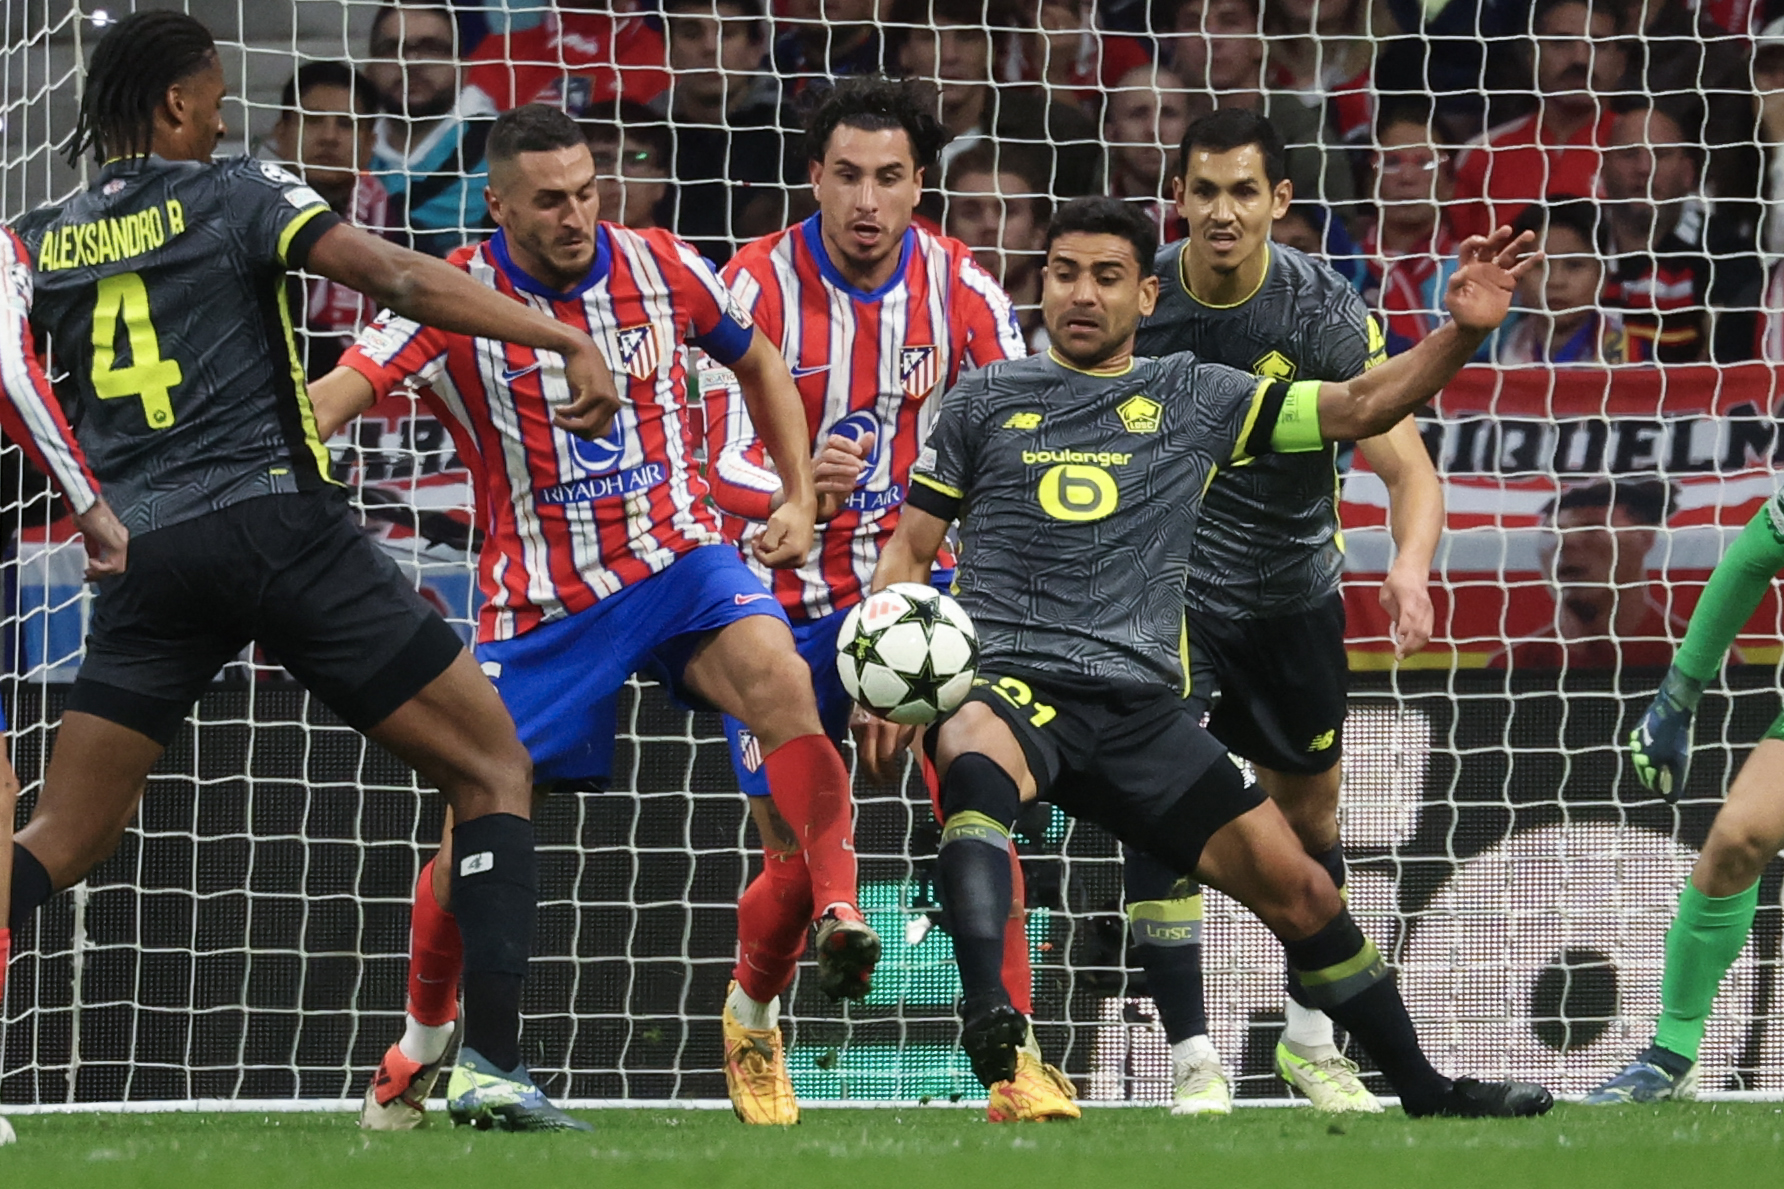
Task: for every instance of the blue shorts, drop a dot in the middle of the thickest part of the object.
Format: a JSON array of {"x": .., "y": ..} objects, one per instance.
[
  {"x": 561, "y": 681},
  {"x": 816, "y": 641}
]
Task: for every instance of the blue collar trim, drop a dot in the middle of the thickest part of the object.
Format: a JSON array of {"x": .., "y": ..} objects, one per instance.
[
  {"x": 524, "y": 281},
  {"x": 814, "y": 243}
]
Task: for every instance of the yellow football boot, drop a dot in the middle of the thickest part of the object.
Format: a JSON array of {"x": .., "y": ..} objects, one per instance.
[
  {"x": 1038, "y": 1093},
  {"x": 756, "y": 1073}
]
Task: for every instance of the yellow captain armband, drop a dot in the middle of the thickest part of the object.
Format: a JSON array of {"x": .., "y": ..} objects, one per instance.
[{"x": 1297, "y": 424}]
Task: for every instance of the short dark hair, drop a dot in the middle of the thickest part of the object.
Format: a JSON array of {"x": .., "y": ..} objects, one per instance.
[
  {"x": 1022, "y": 160},
  {"x": 1610, "y": 8},
  {"x": 1580, "y": 215},
  {"x": 391, "y": 8},
  {"x": 1233, "y": 128},
  {"x": 1107, "y": 216},
  {"x": 873, "y": 102},
  {"x": 530, "y": 128},
  {"x": 135, "y": 63},
  {"x": 1647, "y": 500},
  {"x": 326, "y": 74},
  {"x": 752, "y": 9}
]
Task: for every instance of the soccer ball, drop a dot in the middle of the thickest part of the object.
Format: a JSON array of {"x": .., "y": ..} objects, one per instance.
[{"x": 907, "y": 653}]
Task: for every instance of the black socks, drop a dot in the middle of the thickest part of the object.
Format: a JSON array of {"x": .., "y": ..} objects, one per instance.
[
  {"x": 30, "y": 887},
  {"x": 979, "y": 807},
  {"x": 495, "y": 897},
  {"x": 1164, "y": 919}
]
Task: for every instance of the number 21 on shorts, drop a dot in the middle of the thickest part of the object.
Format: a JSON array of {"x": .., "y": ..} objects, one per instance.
[
  {"x": 1017, "y": 694},
  {"x": 148, "y": 377}
]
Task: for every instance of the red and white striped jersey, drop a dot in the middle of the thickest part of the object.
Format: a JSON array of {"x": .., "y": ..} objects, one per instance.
[
  {"x": 30, "y": 415},
  {"x": 569, "y": 521},
  {"x": 864, "y": 363}
]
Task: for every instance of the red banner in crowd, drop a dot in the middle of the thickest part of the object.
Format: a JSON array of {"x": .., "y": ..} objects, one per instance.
[{"x": 1585, "y": 508}]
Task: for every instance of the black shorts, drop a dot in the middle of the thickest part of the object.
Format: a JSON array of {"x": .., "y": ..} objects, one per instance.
[
  {"x": 290, "y": 572},
  {"x": 1278, "y": 687},
  {"x": 1131, "y": 758}
]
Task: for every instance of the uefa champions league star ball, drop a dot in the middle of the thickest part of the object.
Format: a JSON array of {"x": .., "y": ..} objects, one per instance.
[{"x": 907, "y": 653}]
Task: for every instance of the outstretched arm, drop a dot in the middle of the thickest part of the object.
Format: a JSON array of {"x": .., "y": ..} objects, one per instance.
[
  {"x": 1415, "y": 517},
  {"x": 436, "y": 294},
  {"x": 1660, "y": 745},
  {"x": 779, "y": 417},
  {"x": 1479, "y": 297},
  {"x": 910, "y": 554}
]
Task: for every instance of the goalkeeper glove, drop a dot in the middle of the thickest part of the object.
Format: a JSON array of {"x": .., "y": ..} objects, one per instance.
[{"x": 1660, "y": 745}]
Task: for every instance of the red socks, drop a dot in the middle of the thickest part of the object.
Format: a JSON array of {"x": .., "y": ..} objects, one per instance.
[
  {"x": 1018, "y": 975},
  {"x": 772, "y": 919},
  {"x": 810, "y": 787},
  {"x": 436, "y": 956}
]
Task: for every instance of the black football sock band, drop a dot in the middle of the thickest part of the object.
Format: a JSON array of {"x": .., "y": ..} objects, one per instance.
[
  {"x": 495, "y": 897},
  {"x": 1342, "y": 974},
  {"x": 31, "y": 887},
  {"x": 979, "y": 807},
  {"x": 1332, "y": 859}
]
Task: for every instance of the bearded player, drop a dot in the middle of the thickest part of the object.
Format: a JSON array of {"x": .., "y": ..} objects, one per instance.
[
  {"x": 603, "y": 559},
  {"x": 877, "y": 317},
  {"x": 1718, "y": 902},
  {"x": 1264, "y": 614},
  {"x": 160, "y": 291},
  {"x": 1078, "y": 476}
]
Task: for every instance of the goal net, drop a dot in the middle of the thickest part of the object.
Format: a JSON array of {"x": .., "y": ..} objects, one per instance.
[{"x": 247, "y": 941}]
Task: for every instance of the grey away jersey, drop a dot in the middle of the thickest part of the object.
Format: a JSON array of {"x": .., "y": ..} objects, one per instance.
[
  {"x": 159, "y": 294},
  {"x": 1078, "y": 497},
  {"x": 1268, "y": 543}
]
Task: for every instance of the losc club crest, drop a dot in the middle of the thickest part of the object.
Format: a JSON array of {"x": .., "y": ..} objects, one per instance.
[
  {"x": 917, "y": 370},
  {"x": 639, "y": 350}
]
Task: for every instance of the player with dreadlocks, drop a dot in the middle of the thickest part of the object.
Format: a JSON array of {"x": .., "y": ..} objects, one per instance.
[{"x": 161, "y": 292}]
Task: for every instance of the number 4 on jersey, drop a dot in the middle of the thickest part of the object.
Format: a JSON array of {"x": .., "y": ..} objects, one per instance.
[{"x": 148, "y": 376}]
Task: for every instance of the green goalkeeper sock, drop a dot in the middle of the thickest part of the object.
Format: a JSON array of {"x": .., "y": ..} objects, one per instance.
[{"x": 1705, "y": 939}]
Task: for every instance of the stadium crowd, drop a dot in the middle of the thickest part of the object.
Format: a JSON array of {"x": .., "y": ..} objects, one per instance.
[{"x": 1642, "y": 141}]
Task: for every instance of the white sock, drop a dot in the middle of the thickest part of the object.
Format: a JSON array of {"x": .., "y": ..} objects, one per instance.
[
  {"x": 1194, "y": 1051},
  {"x": 1307, "y": 1028},
  {"x": 757, "y": 1017},
  {"x": 425, "y": 1043}
]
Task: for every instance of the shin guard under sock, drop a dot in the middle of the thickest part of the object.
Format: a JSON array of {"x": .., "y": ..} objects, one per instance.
[
  {"x": 31, "y": 887},
  {"x": 436, "y": 955},
  {"x": 980, "y": 803},
  {"x": 495, "y": 896},
  {"x": 1345, "y": 977},
  {"x": 1703, "y": 942},
  {"x": 810, "y": 787},
  {"x": 1164, "y": 916},
  {"x": 1018, "y": 974},
  {"x": 773, "y": 917}
]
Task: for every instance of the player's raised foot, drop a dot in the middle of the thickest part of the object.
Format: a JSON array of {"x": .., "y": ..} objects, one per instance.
[
  {"x": 1469, "y": 1098},
  {"x": 992, "y": 1036},
  {"x": 1327, "y": 1077},
  {"x": 397, "y": 1098},
  {"x": 1199, "y": 1083},
  {"x": 1657, "y": 1075},
  {"x": 847, "y": 951},
  {"x": 486, "y": 1098},
  {"x": 1038, "y": 1093},
  {"x": 756, "y": 1072}
]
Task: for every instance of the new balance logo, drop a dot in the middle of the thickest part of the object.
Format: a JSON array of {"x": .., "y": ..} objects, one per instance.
[
  {"x": 1023, "y": 421},
  {"x": 478, "y": 863},
  {"x": 1321, "y": 742}
]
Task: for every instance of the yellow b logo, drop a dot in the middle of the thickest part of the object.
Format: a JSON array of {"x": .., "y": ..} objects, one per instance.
[{"x": 1071, "y": 491}]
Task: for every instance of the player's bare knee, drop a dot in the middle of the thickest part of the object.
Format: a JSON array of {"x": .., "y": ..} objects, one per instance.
[{"x": 1735, "y": 854}]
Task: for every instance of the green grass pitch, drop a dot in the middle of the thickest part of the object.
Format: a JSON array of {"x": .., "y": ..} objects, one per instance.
[{"x": 1574, "y": 1147}]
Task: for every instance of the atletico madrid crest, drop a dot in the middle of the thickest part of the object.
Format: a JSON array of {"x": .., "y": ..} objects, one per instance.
[
  {"x": 916, "y": 368},
  {"x": 639, "y": 350}
]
